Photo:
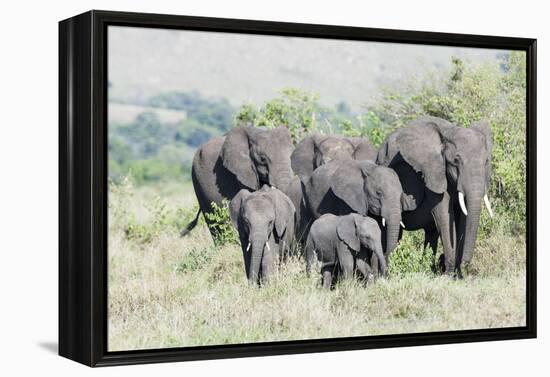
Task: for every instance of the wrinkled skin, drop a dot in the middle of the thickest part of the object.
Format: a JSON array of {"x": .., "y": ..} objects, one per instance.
[
  {"x": 344, "y": 187},
  {"x": 436, "y": 161},
  {"x": 316, "y": 150},
  {"x": 344, "y": 244},
  {"x": 245, "y": 158},
  {"x": 265, "y": 222},
  {"x": 302, "y": 219}
]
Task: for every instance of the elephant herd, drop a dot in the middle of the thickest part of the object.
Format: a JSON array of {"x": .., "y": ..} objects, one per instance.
[{"x": 345, "y": 202}]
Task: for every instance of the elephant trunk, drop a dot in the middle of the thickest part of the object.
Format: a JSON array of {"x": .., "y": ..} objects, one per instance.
[
  {"x": 257, "y": 242},
  {"x": 473, "y": 206},
  {"x": 381, "y": 261},
  {"x": 282, "y": 176},
  {"x": 392, "y": 224}
]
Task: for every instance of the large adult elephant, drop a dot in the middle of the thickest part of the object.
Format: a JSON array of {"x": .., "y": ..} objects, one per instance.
[
  {"x": 316, "y": 150},
  {"x": 447, "y": 171},
  {"x": 344, "y": 187},
  {"x": 245, "y": 158},
  {"x": 312, "y": 152}
]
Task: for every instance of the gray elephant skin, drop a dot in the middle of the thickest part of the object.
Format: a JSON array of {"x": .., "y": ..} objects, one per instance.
[
  {"x": 265, "y": 222},
  {"x": 316, "y": 150},
  {"x": 245, "y": 158},
  {"x": 344, "y": 244},
  {"x": 344, "y": 187},
  {"x": 446, "y": 169}
]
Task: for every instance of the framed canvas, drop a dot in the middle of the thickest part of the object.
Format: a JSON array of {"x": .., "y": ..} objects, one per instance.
[{"x": 233, "y": 188}]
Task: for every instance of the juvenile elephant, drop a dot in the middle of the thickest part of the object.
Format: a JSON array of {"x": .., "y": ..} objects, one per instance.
[
  {"x": 265, "y": 222},
  {"x": 316, "y": 150},
  {"x": 245, "y": 158},
  {"x": 344, "y": 244},
  {"x": 447, "y": 171},
  {"x": 343, "y": 187}
]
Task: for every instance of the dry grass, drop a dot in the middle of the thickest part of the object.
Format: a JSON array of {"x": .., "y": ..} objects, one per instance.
[{"x": 177, "y": 291}]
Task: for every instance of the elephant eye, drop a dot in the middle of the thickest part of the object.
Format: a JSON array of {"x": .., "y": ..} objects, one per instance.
[{"x": 458, "y": 159}]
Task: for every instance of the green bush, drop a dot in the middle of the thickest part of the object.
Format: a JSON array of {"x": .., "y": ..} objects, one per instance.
[
  {"x": 194, "y": 260},
  {"x": 296, "y": 109},
  {"x": 220, "y": 222},
  {"x": 411, "y": 257}
]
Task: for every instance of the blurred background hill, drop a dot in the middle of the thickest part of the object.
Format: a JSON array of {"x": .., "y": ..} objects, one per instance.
[{"x": 170, "y": 91}]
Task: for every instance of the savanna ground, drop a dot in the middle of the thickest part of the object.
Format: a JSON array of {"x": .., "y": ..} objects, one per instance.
[{"x": 169, "y": 291}]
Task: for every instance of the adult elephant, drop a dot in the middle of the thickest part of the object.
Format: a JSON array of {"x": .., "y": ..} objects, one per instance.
[
  {"x": 245, "y": 158},
  {"x": 447, "y": 171},
  {"x": 344, "y": 187},
  {"x": 316, "y": 150}
]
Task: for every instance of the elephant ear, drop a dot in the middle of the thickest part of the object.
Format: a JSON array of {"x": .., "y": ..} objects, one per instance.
[
  {"x": 421, "y": 146},
  {"x": 364, "y": 150},
  {"x": 236, "y": 158},
  {"x": 302, "y": 159},
  {"x": 347, "y": 231},
  {"x": 284, "y": 211},
  {"x": 484, "y": 128},
  {"x": 235, "y": 206},
  {"x": 348, "y": 184},
  {"x": 408, "y": 202}
]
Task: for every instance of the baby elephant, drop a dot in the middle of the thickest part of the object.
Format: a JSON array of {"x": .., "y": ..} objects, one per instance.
[
  {"x": 265, "y": 222},
  {"x": 344, "y": 244}
]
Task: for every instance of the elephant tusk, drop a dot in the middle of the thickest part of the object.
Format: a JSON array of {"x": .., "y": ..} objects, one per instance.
[
  {"x": 488, "y": 205},
  {"x": 383, "y": 222},
  {"x": 248, "y": 247},
  {"x": 402, "y": 225},
  {"x": 462, "y": 204},
  {"x": 267, "y": 245}
]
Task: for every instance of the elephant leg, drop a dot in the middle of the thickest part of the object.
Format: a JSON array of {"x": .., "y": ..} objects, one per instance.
[
  {"x": 364, "y": 268},
  {"x": 374, "y": 264},
  {"x": 326, "y": 272},
  {"x": 431, "y": 238},
  {"x": 444, "y": 220},
  {"x": 269, "y": 263},
  {"x": 347, "y": 264}
]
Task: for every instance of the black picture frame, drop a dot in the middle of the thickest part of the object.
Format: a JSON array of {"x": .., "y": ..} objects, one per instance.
[{"x": 83, "y": 187}]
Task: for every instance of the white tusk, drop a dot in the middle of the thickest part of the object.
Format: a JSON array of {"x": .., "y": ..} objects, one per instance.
[
  {"x": 461, "y": 202},
  {"x": 488, "y": 205},
  {"x": 402, "y": 225},
  {"x": 267, "y": 245},
  {"x": 248, "y": 247},
  {"x": 383, "y": 222}
]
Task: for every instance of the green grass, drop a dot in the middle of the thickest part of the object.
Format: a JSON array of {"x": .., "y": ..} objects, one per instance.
[{"x": 170, "y": 291}]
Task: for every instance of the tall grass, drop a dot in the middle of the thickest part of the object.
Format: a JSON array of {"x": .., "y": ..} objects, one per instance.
[{"x": 169, "y": 291}]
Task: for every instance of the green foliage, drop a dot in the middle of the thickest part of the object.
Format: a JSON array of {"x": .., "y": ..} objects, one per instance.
[
  {"x": 155, "y": 151},
  {"x": 194, "y": 260},
  {"x": 410, "y": 256},
  {"x": 160, "y": 218},
  {"x": 220, "y": 222},
  {"x": 296, "y": 109}
]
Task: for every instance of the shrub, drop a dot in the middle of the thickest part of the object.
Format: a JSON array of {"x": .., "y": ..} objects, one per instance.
[
  {"x": 411, "y": 257},
  {"x": 194, "y": 260},
  {"x": 296, "y": 109},
  {"x": 220, "y": 223}
]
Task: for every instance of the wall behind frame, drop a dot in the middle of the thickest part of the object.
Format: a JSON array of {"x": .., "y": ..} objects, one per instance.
[{"x": 29, "y": 184}]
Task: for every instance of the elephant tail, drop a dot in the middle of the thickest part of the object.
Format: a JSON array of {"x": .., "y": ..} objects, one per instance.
[{"x": 191, "y": 225}]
